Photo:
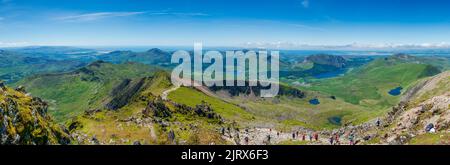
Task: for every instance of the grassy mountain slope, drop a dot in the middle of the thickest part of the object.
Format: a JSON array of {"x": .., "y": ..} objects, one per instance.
[
  {"x": 369, "y": 85},
  {"x": 354, "y": 98},
  {"x": 86, "y": 88},
  {"x": 147, "y": 119}
]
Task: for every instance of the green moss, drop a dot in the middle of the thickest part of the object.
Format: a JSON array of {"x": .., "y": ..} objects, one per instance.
[{"x": 31, "y": 125}]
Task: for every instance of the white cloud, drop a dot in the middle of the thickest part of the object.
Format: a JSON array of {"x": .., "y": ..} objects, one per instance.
[
  {"x": 178, "y": 14},
  {"x": 305, "y": 3},
  {"x": 353, "y": 46},
  {"x": 97, "y": 16},
  {"x": 105, "y": 15}
]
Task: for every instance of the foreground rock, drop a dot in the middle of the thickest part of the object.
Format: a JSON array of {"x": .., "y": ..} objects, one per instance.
[{"x": 24, "y": 120}]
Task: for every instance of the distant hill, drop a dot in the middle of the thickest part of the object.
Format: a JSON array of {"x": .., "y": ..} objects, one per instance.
[
  {"x": 15, "y": 66},
  {"x": 321, "y": 66},
  {"x": 153, "y": 56},
  {"x": 57, "y": 52},
  {"x": 324, "y": 59}
]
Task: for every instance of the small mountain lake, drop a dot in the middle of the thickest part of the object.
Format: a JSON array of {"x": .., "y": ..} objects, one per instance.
[
  {"x": 335, "y": 120},
  {"x": 396, "y": 91},
  {"x": 314, "y": 101}
]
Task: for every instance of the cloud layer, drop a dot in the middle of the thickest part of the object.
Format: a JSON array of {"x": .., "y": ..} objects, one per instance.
[
  {"x": 353, "y": 46},
  {"x": 96, "y": 16},
  {"x": 105, "y": 15}
]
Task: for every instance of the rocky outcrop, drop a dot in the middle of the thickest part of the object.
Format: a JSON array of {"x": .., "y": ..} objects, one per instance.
[
  {"x": 248, "y": 90},
  {"x": 124, "y": 92},
  {"x": 157, "y": 108},
  {"x": 24, "y": 120}
]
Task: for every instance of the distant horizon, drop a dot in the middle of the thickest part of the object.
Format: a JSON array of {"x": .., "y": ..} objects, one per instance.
[
  {"x": 445, "y": 52},
  {"x": 286, "y": 24},
  {"x": 348, "y": 47}
]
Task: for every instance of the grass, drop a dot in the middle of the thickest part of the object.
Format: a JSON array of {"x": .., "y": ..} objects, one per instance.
[
  {"x": 370, "y": 86},
  {"x": 293, "y": 142},
  {"x": 361, "y": 95},
  {"x": 70, "y": 94},
  {"x": 292, "y": 112},
  {"x": 431, "y": 139},
  {"x": 192, "y": 97}
]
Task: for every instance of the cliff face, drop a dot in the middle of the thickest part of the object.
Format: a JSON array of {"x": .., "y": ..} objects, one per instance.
[{"x": 24, "y": 120}]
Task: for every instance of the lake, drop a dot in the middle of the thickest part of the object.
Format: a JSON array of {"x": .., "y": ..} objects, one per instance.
[
  {"x": 335, "y": 120},
  {"x": 396, "y": 91},
  {"x": 314, "y": 101}
]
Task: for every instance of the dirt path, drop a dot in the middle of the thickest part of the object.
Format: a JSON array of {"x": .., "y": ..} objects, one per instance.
[
  {"x": 259, "y": 136},
  {"x": 195, "y": 84},
  {"x": 165, "y": 94}
]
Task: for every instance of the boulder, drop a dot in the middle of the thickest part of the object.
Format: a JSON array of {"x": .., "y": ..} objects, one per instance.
[{"x": 21, "y": 89}]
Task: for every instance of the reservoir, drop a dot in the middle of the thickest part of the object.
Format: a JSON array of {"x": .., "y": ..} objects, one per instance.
[
  {"x": 396, "y": 91},
  {"x": 314, "y": 101}
]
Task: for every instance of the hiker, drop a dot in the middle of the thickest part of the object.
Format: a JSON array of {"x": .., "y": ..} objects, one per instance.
[
  {"x": 278, "y": 133},
  {"x": 378, "y": 122},
  {"x": 429, "y": 127},
  {"x": 350, "y": 138},
  {"x": 432, "y": 130},
  {"x": 293, "y": 135},
  {"x": 246, "y": 140},
  {"x": 331, "y": 139},
  {"x": 303, "y": 137},
  {"x": 337, "y": 138},
  {"x": 310, "y": 137},
  {"x": 316, "y": 136}
]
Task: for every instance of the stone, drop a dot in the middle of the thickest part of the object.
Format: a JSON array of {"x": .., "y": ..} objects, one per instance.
[
  {"x": 171, "y": 136},
  {"x": 2, "y": 85},
  {"x": 21, "y": 89}
]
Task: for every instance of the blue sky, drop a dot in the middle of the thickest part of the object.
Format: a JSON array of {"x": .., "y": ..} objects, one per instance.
[{"x": 224, "y": 22}]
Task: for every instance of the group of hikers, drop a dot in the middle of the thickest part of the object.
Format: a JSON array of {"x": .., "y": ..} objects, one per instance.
[{"x": 334, "y": 138}]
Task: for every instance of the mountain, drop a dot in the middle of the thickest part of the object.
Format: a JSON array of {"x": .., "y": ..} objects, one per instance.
[
  {"x": 137, "y": 114},
  {"x": 321, "y": 66},
  {"x": 153, "y": 56},
  {"x": 57, "y": 52},
  {"x": 324, "y": 59},
  {"x": 89, "y": 87},
  {"x": 422, "y": 117},
  {"x": 370, "y": 84},
  {"x": 25, "y": 120},
  {"x": 15, "y": 66},
  {"x": 428, "y": 104}
]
